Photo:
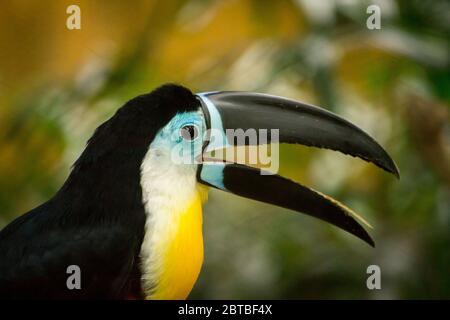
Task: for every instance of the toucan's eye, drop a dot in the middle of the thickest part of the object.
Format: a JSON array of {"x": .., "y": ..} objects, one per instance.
[{"x": 189, "y": 132}]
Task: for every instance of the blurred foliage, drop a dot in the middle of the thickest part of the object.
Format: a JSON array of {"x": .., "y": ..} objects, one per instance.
[{"x": 57, "y": 85}]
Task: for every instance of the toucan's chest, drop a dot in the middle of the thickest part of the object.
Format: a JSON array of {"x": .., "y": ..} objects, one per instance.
[{"x": 172, "y": 250}]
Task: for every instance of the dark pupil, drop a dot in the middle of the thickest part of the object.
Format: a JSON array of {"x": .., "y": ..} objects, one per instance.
[{"x": 189, "y": 132}]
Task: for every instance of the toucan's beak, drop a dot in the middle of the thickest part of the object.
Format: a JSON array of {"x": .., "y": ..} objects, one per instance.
[{"x": 297, "y": 123}]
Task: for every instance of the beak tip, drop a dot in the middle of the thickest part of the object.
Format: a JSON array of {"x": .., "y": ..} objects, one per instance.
[
  {"x": 394, "y": 170},
  {"x": 387, "y": 164},
  {"x": 365, "y": 237},
  {"x": 397, "y": 173}
]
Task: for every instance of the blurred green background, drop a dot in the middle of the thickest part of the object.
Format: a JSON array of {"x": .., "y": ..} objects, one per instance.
[{"x": 58, "y": 85}]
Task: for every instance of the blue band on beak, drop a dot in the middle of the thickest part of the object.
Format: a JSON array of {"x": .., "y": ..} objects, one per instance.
[
  {"x": 212, "y": 174},
  {"x": 217, "y": 138}
]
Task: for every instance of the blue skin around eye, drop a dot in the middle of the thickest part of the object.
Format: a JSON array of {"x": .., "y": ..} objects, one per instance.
[{"x": 169, "y": 137}]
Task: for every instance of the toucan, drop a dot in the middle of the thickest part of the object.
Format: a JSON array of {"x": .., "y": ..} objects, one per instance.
[{"x": 129, "y": 215}]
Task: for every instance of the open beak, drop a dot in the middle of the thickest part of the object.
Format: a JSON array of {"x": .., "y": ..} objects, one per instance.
[{"x": 296, "y": 123}]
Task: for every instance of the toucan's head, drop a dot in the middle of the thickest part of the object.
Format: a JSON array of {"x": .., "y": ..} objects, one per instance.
[{"x": 176, "y": 129}]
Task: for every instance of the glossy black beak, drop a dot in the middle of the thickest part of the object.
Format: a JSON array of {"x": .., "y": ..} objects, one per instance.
[{"x": 295, "y": 123}]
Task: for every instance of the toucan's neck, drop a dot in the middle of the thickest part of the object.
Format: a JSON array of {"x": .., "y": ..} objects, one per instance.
[
  {"x": 172, "y": 250},
  {"x": 107, "y": 187}
]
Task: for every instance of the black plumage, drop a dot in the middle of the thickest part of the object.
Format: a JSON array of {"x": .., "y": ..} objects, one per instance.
[{"x": 96, "y": 220}]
